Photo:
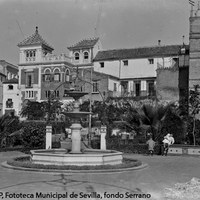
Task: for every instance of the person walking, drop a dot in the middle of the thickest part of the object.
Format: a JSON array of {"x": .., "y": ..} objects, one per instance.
[
  {"x": 151, "y": 145},
  {"x": 168, "y": 140}
]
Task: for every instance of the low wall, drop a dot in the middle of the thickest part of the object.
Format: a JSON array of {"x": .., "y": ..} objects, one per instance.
[{"x": 184, "y": 150}]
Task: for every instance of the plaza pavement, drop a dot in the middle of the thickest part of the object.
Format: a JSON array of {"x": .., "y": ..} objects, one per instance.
[{"x": 161, "y": 173}]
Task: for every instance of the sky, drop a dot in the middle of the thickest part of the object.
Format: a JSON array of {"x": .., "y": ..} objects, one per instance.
[{"x": 119, "y": 23}]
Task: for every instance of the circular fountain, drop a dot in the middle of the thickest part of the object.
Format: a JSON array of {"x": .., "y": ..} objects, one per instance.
[{"x": 77, "y": 155}]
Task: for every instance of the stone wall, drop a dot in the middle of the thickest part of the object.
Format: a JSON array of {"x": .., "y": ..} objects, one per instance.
[{"x": 167, "y": 84}]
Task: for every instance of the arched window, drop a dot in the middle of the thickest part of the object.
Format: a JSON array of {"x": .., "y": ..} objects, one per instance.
[
  {"x": 47, "y": 75},
  {"x": 76, "y": 56},
  {"x": 56, "y": 75},
  {"x": 86, "y": 55},
  {"x": 67, "y": 75}
]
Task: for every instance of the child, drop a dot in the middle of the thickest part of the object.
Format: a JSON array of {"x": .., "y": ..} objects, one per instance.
[{"x": 151, "y": 145}]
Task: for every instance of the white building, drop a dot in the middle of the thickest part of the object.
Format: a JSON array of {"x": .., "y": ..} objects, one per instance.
[
  {"x": 136, "y": 68},
  {"x": 11, "y": 99}
]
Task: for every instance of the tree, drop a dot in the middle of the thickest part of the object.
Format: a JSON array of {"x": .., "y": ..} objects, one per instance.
[
  {"x": 8, "y": 124},
  {"x": 194, "y": 108},
  {"x": 33, "y": 110},
  {"x": 39, "y": 110}
]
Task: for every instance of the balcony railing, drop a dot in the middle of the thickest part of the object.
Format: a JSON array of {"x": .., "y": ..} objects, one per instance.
[{"x": 53, "y": 58}]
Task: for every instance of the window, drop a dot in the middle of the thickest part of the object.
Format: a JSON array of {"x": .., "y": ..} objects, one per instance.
[
  {"x": 47, "y": 75},
  {"x": 137, "y": 89},
  {"x": 125, "y": 62},
  {"x": 10, "y": 87},
  {"x": 115, "y": 87},
  {"x": 86, "y": 55},
  {"x": 56, "y": 93},
  {"x": 9, "y": 103},
  {"x": 30, "y": 55},
  {"x": 29, "y": 79},
  {"x": 47, "y": 93},
  {"x": 29, "y": 94},
  {"x": 151, "y": 61},
  {"x": 76, "y": 56},
  {"x": 102, "y": 64},
  {"x": 57, "y": 75},
  {"x": 151, "y": 89},
  {"x": 67, "y": 79},
  {"x": 52, "y": 94},
  {"x": 95, "y": 86}
]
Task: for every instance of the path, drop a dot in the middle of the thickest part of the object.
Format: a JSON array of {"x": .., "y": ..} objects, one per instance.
[{"x": 162, "y": 172}]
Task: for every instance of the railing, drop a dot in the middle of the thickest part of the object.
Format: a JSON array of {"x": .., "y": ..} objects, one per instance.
[{"x": 51, "y": 58}]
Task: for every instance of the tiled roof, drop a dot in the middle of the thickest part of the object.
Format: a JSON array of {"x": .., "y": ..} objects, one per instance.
[
  {"x": 143, "y": 52},
  {"x": 12, "y": 70},
  {"x": 86, "y": 43},
  {"x": 35, "y": 39},
  {"x": 13, "y": 80}
]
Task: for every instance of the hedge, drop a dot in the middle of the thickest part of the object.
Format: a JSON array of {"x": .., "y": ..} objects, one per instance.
[{"x": 130, "y": 147}]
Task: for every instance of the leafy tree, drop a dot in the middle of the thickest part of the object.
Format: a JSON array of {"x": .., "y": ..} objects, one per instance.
[
  {"x": 8, "y": 124},
  {"x": 33, "y": 110},
  {"x": 40, "y": 110},
  {"x": 33, "y": 135}
]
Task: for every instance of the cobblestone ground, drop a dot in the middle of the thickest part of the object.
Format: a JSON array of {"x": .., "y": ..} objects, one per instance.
[{"x": 163, "y": 172}]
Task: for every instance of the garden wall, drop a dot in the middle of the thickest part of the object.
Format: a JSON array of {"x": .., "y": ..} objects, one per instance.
[{"x": 184, "y": 150}]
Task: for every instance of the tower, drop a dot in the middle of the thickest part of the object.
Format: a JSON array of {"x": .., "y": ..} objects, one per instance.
[
  {"x": 32, "y": 52},
  {"x": 194, "y": 49}
]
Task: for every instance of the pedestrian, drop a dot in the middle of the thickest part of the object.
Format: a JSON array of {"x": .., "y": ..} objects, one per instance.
[
  {"x": 168, "y": 140},
  {"x": 151, "y": 145}
]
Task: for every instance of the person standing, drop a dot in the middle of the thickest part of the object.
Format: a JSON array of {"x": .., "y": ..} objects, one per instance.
[{"x": 151, "y": 145}]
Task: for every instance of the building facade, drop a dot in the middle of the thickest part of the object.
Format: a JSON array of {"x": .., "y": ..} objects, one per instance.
[
  {"x": 136, "y": 68},
  {"x": 194, "y": 49},
  {"x": 43, "y": 74},
  {"x": 11, "y": 100},
  {"x": 8, "y": 71},
  {"x": 40, "y": 71}
]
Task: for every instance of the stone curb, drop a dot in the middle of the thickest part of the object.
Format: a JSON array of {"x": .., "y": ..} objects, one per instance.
[{"x": 6, "y": 165}]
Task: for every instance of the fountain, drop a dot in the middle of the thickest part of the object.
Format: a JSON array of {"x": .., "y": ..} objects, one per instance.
[{"x": 77, "y": 155}]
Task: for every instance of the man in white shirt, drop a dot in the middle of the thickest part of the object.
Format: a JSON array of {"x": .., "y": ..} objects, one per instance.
[{"x": 168, "y": 140}]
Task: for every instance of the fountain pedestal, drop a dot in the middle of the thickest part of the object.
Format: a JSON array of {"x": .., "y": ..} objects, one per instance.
[
  {"x": 103, "y": 138},
  {"x": 76, "y": 138},
  {"x": 48, "y": 137}
]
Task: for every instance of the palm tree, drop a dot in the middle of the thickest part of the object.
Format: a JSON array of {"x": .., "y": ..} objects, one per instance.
[{"x": 152, "y": 117}]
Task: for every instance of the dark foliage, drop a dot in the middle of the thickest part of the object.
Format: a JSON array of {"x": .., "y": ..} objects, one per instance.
[
  {"x": 33, "y": 134},
  {"x": 8, "y": 125},
  {"x": 116, "y": 143},
  {"x": 173, "y": 124}
]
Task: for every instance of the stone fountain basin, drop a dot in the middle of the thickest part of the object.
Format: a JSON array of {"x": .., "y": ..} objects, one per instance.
[{"x": 88, "y": 157}]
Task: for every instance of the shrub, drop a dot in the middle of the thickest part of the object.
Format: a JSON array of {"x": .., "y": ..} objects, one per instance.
[
  {"x": 130, "y": 147},
  {"x": 33, "y": 134}
]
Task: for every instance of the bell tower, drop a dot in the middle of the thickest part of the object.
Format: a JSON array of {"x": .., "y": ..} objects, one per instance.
[{"x": 194, "y": 48}]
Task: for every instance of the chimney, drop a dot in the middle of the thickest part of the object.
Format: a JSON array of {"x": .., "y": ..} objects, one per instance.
[{"x": 159, "y": 41}]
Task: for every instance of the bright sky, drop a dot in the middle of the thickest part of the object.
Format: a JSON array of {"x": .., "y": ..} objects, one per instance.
[{"x": 121, "y": 24}]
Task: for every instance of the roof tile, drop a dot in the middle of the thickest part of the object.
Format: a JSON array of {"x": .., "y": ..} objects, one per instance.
[
  {"x": 86, "y": 43},
  {"x": 143, "y": 52},
  {"x": 36, "y": 38}
]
